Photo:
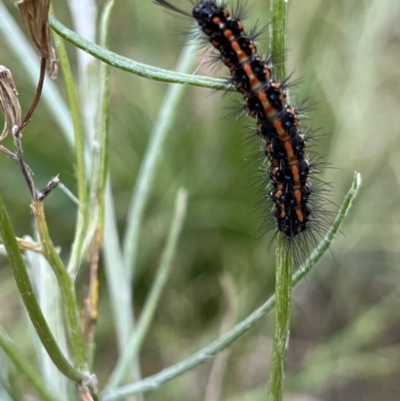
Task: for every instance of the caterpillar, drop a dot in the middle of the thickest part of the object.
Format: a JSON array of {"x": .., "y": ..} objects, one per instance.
[{"x": 296, "y": 201}]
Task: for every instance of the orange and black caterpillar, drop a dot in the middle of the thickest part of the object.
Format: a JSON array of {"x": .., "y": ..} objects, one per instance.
[{"x": 277, "y": 122}]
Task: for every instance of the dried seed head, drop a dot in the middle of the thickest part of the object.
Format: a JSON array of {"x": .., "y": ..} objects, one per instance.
[
  {"x": 36, "y": 16},
  {"x": 9, "y": 102}
]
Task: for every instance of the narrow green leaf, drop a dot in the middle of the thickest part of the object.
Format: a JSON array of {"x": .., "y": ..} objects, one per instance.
[
  {"x": 67, "y": 287},
  {"x": 136, "y": 339},
  {"x": 126, "y": 64},
  {"x": 25, "y": 367},
  {"x": 145, "y": 179},
  {"x": 48, "y": 295},
  {"x": 28, "y": 297},
  {"x": 83, "y": 209},
  {"x": 94, "y": 237}
]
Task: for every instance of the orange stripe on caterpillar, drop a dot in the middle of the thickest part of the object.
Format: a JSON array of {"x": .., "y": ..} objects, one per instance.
[{"x": 264, "y": 100}]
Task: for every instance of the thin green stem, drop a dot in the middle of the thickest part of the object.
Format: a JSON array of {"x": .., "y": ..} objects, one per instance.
[
  {"x": 98, "y": 185},
  {"x": 48, "y": 295},
  {"x": 67, "y": 288},
  {"x": 104, "y": 106},
  {"x": 28, "y": 297},
  {"x": 136, "y": 339},
  {"x": 120, "y": 291},
  {"x": 126, "y": 64},
  {"x": 284, "y": 259},
  {"x": 83, "y": 218},
  {"x": 147, "y": 171},
  {"x": 25, "y": 367},
  {"x": 277, "y": 36},
  {"x": 100, "y": 151},
  {"x": 283, "y": 295},
  {"x": 157, "y": 380}
]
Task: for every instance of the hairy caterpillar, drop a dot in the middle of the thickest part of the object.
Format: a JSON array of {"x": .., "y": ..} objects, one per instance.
[{"x": 297, "y": 202}]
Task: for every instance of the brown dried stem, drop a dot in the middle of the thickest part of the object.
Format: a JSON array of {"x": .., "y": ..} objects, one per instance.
[
  {"x": 8, "y": 153},
  {"x": 26, "y": 171},
  {"x": 90, "y": 303},
  {"x": 37, "y": 97}
]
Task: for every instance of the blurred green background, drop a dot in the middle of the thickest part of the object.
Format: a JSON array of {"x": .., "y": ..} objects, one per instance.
[{"x": 345, "y": 340}]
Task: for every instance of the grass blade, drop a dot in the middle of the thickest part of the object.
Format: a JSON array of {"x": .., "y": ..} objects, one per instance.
[
  {"x": 147, "y": 171},
  {"x": 27, "y": 294},
  {"x": 24, "y": 367},
  {"x": 82, "y": 220},
  {"x": 136, "y": 339},
  {"x": 126, "y": 64}
]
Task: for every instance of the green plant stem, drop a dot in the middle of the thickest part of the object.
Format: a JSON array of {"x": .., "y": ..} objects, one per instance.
[
  {"x": 277, "y": 35},
  {"x": 48, "y": 295},
  {"x": 83, "y": 218},
  {"x": 24, "y": 367},
  {"x": 98, "y": 186},
  {"x": 136, "y": 338},
  {"x": 283, "y": 295},
  {"x": 157, "y": 380},
  {"x": 120, "y": 291},
  {"x": 67, "y": 288},
  {"x": 102, "y": 132},
  {"x": 147, "y": 171},
  {"x": 284, "y": 259},
  {"x": 126, "y": 64},
  {"x": 28, "y": 297}
]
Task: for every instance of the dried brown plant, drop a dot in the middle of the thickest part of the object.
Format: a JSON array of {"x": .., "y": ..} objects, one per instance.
[
  {"x": 9, "y": 102},
  {"x": 36, "y": 16}
]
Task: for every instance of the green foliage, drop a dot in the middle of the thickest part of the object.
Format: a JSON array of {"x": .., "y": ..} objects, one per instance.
[{"x": 342, "y": 321}]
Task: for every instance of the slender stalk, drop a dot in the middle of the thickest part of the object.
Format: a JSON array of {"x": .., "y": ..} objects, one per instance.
[
  {"x": 104, "y": 106},
  {"x": 26, "y": 171},
  {"x": 67, "y": 288},
  {"x": 25, "y": 367},
  {"x": 136, "y": 339},
  {"x": 98, "y": 186},
  {"x": 147, "y": 171},
  {"x": 36, "y": 99},
  {"x": 26, "y": 245},
  {"x": 277, "y": 36},
  {"x": 120, "y": 291},
  {"x": 284, "y": 259},
  {"x": 126, "y": 64},
  {"x": 83, "y": 218},
  {"x": 48, "y": 295},
  {"x": 28, "y": 297},
  {"x": 157, "y": 380},
  {"x": 283, "y": 295},
  {"x": 8, "y": 153}
]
